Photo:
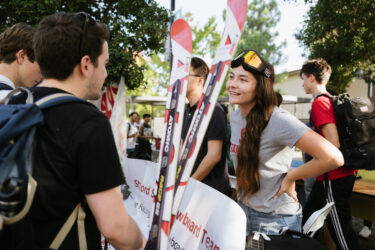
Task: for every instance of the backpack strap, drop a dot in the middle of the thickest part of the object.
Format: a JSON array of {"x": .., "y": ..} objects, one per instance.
[
  {"x": 316, "y": 130},
  {"x": 312, "y": 124},
  {"x": 31, "y": 188},
  {"x": 79, "y": 215},
  {"x": 4, "y": 86},
  {"x": 323, "y": 94},
  {"x": 56, "y": 99},
  {"x": 14, "y": 92}
]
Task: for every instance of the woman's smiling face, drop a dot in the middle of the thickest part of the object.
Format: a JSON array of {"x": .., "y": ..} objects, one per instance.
[{"x": 241, "y": 87}]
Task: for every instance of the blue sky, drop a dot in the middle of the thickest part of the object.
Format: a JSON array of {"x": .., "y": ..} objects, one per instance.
[{"x": 292, "y": 13}]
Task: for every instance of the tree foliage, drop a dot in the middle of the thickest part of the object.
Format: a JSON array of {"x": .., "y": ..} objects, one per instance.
[
  {"x": 343, "y": 33},
  {"x": 205, "y": 41},
  {"x": 136, "y": 26},
  {"x": 259, "y": 33}
]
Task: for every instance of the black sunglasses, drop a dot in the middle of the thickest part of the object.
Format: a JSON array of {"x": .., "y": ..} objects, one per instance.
[{"x": 88, "y": 20}]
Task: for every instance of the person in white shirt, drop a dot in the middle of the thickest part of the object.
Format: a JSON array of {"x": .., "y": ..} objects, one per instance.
[
  {"x": 18, "y": 67},
  {"x": 132, "y": 134}
]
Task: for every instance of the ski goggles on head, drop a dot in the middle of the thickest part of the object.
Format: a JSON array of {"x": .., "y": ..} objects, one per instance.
[{"x": 253, "y": 62}]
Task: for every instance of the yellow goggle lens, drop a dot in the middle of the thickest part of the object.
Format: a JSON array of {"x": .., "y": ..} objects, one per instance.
[{"x": 252, "y": 59}]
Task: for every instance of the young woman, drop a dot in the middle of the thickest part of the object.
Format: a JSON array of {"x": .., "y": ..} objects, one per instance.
[{"x": 262, "y": 141}]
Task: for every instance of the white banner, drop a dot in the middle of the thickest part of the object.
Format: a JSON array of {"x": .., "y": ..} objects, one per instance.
[
  {"x": 138, "y": 196},
  {"x": 207, "y": 219},
  {"x": 118, "y": 119},
  {"x": 138, "y": 193}
]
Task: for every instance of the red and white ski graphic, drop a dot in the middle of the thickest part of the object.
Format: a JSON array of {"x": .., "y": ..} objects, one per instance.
[
  {"x": 181, "y": 50},
  {"x": 235, "y": 20}
]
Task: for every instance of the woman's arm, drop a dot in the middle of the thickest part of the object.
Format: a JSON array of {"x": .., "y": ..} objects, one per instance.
[{"x": 326, "y": 157}]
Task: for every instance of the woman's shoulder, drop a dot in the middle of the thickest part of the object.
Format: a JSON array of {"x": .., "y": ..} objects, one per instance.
[{"x": 280, "y": 115}]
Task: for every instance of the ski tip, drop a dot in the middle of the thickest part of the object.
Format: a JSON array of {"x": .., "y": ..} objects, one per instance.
[
  {"x": 239, "y": 10},
  {"x": 181, "y": 33}
]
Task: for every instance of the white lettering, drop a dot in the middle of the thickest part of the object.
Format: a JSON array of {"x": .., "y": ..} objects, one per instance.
[
  {"x": 168, "y": 138},
  {"x": 197, "y": 119}
]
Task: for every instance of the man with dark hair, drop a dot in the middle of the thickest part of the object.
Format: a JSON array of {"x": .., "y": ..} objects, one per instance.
[
  {"x": 315, "y": 75},
  {"x": 18, "y": 67},
  {"x": 143, "y": 149},
  {"x": 209, "y": 167},
  {"x": 75, "y": 159}
]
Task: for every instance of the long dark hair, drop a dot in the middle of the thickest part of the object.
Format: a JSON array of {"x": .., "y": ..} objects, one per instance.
[{"x": 247, "y": 171}]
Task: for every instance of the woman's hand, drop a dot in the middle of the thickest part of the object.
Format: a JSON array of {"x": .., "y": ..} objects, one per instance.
[{"x": 287, "y": 186}]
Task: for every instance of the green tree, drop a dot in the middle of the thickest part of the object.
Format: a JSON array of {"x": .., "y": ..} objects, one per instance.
[
  {"x": 205, "y": 41},
  {"x": 259, "y": 33},
  {"x": 343, "y": 33},
  {"x": 135, "y": 26}
]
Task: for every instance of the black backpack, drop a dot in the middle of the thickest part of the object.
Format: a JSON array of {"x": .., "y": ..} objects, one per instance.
[{"x": 355, "y": 121}]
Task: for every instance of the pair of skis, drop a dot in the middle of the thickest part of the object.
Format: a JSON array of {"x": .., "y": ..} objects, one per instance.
[
  {"x": 173, "y": 119},
  {"x": 175, "y": 173}
]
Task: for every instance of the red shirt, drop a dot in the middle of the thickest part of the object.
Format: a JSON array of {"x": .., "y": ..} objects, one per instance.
[{"x": 323, "y": 113}]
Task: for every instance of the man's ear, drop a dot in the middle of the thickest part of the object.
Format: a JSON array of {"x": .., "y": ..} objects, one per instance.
[
  {"x": 202, "y": 81},
  {"x": 20, "y": 56},
  {"x": 85, "y": 65},
  {"x": 312, "y": 78}
]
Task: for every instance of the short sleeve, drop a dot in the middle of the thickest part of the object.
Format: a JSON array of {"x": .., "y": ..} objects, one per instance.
[
  {"x": 217, "y": 130},
  {"x": 286, "y": 128},
  {"x": 99, "y": 167},
  {"x": 322, "y": 111}
]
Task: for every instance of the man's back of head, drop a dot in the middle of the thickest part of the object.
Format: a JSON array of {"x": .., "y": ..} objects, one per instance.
[
  {"x": 319, "y": 68},
  {"x": 64, "y": 41},
  {"x": 17, "y": 59}
]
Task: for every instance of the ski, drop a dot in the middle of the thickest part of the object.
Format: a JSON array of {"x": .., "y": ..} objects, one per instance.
[
  {"x": 235, "y": 19},
  {"x": 181, "y": 50}
]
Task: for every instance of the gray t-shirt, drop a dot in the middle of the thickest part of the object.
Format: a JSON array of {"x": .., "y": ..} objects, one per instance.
[{"x": 275, "y": 157}]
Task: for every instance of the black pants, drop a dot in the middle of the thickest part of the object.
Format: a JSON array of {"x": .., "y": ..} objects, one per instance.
[{"x": 339, "y": 221}]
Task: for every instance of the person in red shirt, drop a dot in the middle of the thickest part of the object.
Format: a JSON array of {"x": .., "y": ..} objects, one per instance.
[{"x": 315, "y": 75}]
